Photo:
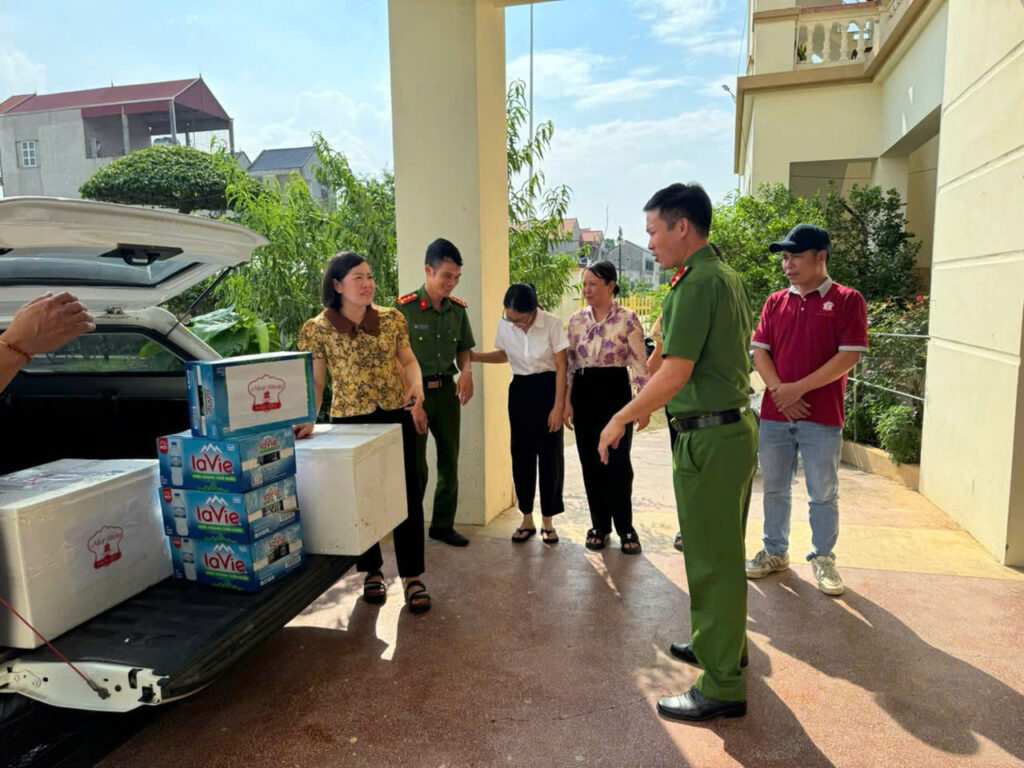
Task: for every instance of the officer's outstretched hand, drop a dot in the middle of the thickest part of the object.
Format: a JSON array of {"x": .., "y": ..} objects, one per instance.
[{"x": 610, "y": 436}]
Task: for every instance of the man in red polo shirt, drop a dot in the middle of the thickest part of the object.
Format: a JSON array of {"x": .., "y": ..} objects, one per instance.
[{"x": 809, "y": 337}]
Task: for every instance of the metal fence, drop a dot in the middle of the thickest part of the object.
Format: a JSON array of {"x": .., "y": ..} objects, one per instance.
[{"x": 894, "y": 364}]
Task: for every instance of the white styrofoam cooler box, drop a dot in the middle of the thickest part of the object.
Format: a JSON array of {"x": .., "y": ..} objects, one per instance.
[
  {"x": 76, "y": 538},
  {"x": 351, "y": 484}
]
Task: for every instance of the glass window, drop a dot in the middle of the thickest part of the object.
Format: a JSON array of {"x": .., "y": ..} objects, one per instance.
[
  {"x": 84, "y": 266},
  {"x": 108, "y": 352},
  {"x": 27, "y": 155}
]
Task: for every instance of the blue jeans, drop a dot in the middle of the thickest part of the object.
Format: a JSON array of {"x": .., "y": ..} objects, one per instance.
[{"x": 819, "y": 448}]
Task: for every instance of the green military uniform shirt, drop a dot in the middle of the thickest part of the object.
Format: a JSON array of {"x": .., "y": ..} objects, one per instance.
[
  {"x": 436, "y": 336},
  {"x": 706, "y": 318}
]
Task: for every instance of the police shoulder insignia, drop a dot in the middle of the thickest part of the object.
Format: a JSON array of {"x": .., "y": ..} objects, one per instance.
[
  {"x": 458, "y": 301},
  {"x": 423, "y": 303},
  {"x": 407, "y": 298},
  {"x": 678, "y": 276}
]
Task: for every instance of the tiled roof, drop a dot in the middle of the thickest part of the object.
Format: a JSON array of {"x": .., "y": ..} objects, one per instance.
[
  {"x": 279, "y": 159},
  {"x": 93, "y": 97}
]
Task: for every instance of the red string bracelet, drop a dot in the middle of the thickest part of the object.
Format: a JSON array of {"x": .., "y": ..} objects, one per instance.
[{"x": 16, "y": 348}]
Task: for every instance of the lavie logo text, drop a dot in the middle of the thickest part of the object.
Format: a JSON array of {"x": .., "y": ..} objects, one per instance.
[
  {"x": 211, "y": 461},
  {"x": 215, "y": 510},
  {"x": 223, "y": 559}
]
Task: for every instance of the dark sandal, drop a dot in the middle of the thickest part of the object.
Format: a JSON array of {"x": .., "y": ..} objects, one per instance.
[
  {"x": 523, "y": 534},
  {"x": 418, "y": 601},
  {"x": 549, "y": 535},
  {"x": 597, "y": 539},
  {"x": 678, "y": 542},
  {"x": 375, "y": 591},
  {"x": 631, "y": 544}
]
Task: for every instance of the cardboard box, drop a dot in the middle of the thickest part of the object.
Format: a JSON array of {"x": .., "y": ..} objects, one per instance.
[
  {"x": 241, "y": 517},
  {"x": 77, "y": 537},
  {"x": 237, "y": 465},
  {"x": 351, "y": 485},
  {"x": 239, "y": 566},
  {"x": 253, "y": 393}
]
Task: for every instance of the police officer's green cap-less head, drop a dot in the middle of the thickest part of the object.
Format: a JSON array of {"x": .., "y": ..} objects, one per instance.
[{"x": 803, "y": 237}]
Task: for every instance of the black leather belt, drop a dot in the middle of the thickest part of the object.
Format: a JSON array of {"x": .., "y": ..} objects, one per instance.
[{"x": 705, "y": 420}]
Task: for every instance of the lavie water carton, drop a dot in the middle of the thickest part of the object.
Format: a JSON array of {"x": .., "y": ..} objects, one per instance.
[
  {"x": 239, "y": 566},
  {"x": 237, "y": 465},
  {"x": 240, "y": 395},
  {"x": 77, "y": 537},
  {"x": 241, "y": 517}
]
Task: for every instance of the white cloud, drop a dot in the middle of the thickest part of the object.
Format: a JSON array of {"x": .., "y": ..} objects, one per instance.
[
  {"x": 360, "y": 130},
  {"x": 617, "y": 165},
  {"x": 19, "y": 74},
  {"x": 574, "y": 75},
  {"x": 701, "y": 26}
]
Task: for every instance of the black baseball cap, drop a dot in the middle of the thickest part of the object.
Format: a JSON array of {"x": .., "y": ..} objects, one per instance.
[{"x": 803, "y": 237}]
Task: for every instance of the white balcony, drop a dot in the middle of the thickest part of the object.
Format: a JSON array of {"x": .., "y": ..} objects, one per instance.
[{"x": 838, "y": 34}]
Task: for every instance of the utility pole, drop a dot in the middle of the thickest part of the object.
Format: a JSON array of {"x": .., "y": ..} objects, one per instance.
[{"x": 531, "y": 89}]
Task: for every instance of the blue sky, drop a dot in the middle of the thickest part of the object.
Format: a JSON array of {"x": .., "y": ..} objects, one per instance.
[{"x": 633, "y": 86}]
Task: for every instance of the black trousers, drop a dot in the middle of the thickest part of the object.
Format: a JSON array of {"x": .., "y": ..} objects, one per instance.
[
  {"x": 597, "y": 394},
  {"x": 409, "y": 533},
  {"x": 530, "y": 400}
]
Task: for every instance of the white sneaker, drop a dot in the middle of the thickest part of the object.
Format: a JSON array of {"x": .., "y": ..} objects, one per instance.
[
  {"x": 765, "y": 562},
  {"x": 829, "y": 580}
]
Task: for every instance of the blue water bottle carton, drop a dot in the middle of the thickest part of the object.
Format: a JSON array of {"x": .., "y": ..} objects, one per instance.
[
  {"x": 237, "y": 465},
  {"x": 242, "y": 517},
  {"x": 233, "y": 565},
  {"x": 235, "y": 396}
]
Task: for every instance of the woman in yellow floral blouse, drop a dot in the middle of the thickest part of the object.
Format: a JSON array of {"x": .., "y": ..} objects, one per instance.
[{"x": 358, "y": 343}]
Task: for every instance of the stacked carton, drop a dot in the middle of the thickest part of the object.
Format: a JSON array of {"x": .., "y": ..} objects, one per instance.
[{"x": 228, "y": 491}]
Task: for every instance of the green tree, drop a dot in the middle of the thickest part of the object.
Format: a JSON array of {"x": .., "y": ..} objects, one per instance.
[
  {"x": 182, "y": 178},
  {"x": 535, "y": 211}
]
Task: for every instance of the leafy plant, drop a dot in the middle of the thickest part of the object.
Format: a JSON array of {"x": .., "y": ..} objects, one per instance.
[
  {"x": 535, "y": 212},
  {"x": 236, "y": 332},
  {"x": 183, "y": 178},
  {"x": 899, "y": 433}
]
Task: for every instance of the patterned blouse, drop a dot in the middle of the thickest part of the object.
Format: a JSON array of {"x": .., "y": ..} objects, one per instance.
[
  {"x": 362, "y": 365},
  {"x": 615, "y": 342}
]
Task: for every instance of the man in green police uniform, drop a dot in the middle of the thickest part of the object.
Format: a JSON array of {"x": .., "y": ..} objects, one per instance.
[
  {"x": 704, "y": 379},
  {"x": 441, "y": 339}
]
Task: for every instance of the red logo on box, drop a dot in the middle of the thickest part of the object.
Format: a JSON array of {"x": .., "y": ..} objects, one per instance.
[
  {"x": 161, "y": 445},
  {"x": 266, "y": 393},
  {"x": 105, "y": 545}
]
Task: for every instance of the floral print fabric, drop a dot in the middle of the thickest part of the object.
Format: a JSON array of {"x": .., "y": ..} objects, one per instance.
[
  {"x": 615, "y": 342},
  {"x": 364, "y": 370}
]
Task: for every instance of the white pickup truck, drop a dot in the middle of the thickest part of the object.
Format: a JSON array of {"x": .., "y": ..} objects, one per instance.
[{"x": 110, "y": 394}]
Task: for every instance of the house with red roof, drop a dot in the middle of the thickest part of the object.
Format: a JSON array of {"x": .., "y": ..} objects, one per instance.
[{"x": 51, "y": 143}]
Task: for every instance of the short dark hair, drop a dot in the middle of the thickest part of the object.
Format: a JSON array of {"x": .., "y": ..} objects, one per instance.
[
  {"x": 605, "y": 271},
  {"x": 683, "y": 201},
  {"x": 442, "y": 250},
  {"x": 340, "y": 265},
  {"x": 522, "y": 297}
]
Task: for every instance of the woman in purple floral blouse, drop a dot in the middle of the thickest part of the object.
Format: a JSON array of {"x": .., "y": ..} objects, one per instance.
[{"x": 606, "y": 350}]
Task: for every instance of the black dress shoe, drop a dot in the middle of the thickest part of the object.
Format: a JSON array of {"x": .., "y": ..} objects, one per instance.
[
  {"x": 694, "y": 706},
  {"x": 448, "y": 536},
  {"x": 684, "y": 652}
]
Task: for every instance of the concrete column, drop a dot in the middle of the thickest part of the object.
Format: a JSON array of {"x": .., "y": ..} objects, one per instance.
[
  {"x": 124, "y": 132},
  {"x": 231, "y": 134},
  {"x": 891, "y": 172},
  {"x": 972, "y": 462},
  {"x": 174, "y": 123},
  {"x": 448, "y": 112}
]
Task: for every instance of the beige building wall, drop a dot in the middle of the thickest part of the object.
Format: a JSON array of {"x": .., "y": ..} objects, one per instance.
[
  {"x": 974, "y": 420},
  {"x": 448, "y": 113}
]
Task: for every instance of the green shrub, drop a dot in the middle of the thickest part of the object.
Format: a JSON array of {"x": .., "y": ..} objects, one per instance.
[{"x": 899, "y": 433}]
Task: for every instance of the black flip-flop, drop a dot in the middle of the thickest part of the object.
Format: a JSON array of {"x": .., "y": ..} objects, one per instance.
[
  {"x": 549, "y": 535},
  {"x": 631, "y": 538},
  {"x": 519, "y": 538},
  {"x": 593, "y": 533}
]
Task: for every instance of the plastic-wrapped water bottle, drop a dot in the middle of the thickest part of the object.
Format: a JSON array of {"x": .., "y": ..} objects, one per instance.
[
  {"x": 188, "y": 559},
  {"x": 177, "y": 475}
]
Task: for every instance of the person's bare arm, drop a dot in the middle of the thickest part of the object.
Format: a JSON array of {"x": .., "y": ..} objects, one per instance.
[
  {"x": 555, "y": 418},
  {"x": 496, "y": 356},
  {"x": 464, "y": 384},
  {"x": 786, "y": 394},
  {"x": 305, "y": 429},
  {"x": 765, "y": 365},
  {"x": 43, "y": 324}
]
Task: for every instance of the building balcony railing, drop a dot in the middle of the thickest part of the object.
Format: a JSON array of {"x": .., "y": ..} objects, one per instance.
[{"x": 837, "y": 34}]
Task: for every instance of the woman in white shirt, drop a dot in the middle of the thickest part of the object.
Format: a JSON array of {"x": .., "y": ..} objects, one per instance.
[{"x": 534, "y": 345}]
